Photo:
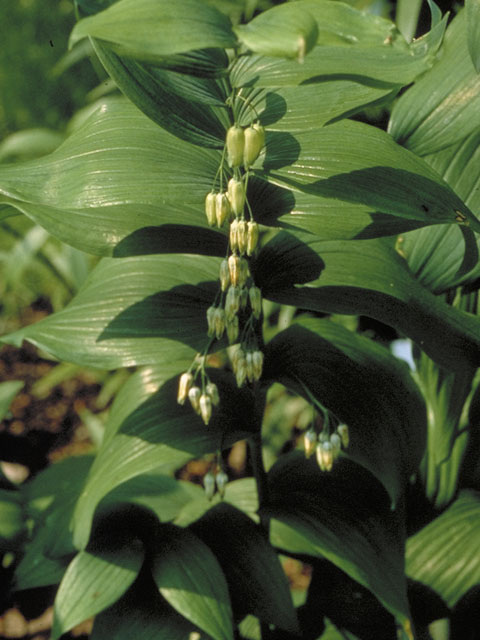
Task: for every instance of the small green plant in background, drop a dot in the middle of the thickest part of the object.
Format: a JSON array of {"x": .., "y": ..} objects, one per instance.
[{"x": 243, "y": 208}]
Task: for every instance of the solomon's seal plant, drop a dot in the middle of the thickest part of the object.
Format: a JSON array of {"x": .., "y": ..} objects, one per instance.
[{"x": 270, "y": 189}]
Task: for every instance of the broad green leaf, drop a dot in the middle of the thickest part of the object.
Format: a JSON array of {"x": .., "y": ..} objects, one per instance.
[
  {"x": 406, "y": 17},
  {"x": 350, "y": 169},
  {"x": 445, "y": 395},
  {"x": 118, "y": 185},
  {"x": 343, "y": 516},
  {"x": 11, "y": 518},
  {"x": 307, "y": 107},
  {"x": 160, "y": 493},
  {"x": 351, "y": 43},
  {"x": 472, "y": 9},
  {"x": 139, "y": 310},
  {"x": 254, "y": 574},
  {"x": 369, "y": 278},
  {"x": 144, "y": 615},
  {"x": 287, "y": 31},
  {"x": 8, "y": 391},
  {"x": 364, "y": 386},
  {"x": 447, "y": 256},
  {"x": 191, "y": 108},
  {"x": 158, "y": 434},
  {"x": 93, "y": 581},
  {"x": 444, "y": 554},
  {"x": 157, "y": 28},
  {"x": 443, "y": 106},
  {"x": 29, "y": 143},
  {"x": 190, "y": 578}
]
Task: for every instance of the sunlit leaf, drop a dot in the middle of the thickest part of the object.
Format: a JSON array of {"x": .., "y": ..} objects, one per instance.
[
  {"x": 443, "y": 555},
  {"x": 366, "y": 277},
  {"x": 118, "y": 185},
  {"x": 443, "y": 106},
  {"x": 472, "y": 9},
  {"x": 158, "y": 434},
  {"x": 343, "y": 516},
  {"x": 138, "y": 310},
  {"x": 443, "y": 257},
  {"x": 254, "y": 574},
  {"x": 364, "y": 386},
  {"x": 190, "y": 578},
  {"x": 287, "y": 31},
  {"x": 150, "y": 28},
  {"x": 93, "y": 581},
  {"x": 351, "y": 169}
]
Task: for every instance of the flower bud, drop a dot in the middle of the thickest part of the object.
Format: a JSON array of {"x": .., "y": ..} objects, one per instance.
[
  {"x": 309, "y": 441},
  {"x": 236, "y": 195},
  {"x": 237, "y": 356},
  {"x": 233, "y": 235},
  {"x": 234, "y": 268},
  {"x": 336, "y": 443},
  {"x": 241, "y": 373},
  {"x": 233, "y": 329},
  {"x": 324, "y": 456},
  {"x": 184, "y": 384},
  {"x": 219, "y": 321},
  {"x": 235, "y": 145},
  {"x": 221, "y": 480},
  {"x": 232, "y": 302},
  {"x": 212, "y": 390},
  {"x": 205, "y": 403},
  {"x": 209, "y": 485},
  {"x": 222, "y": 208},
  {"x": 211, "y": 320},
  {"x": 224, "y": 275},
  {"x": 242, "y": 236},
  {"x": 243, "y": 272},
  {"x": 252, "y": 237},
  {"x": 257, "y": 363},
  {"x": 255, "y": 296},
  {"x": 342, "y": 431},
  {"x": 254, "y": 140},
  {"x": 210, "y": 209},
  {"x": 194, "y": 394}
]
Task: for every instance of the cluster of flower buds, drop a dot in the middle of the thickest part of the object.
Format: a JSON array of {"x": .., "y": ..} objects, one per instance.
[
  {"x": 326, "y": 447},
  {"x": 202, "y": 399},
  {"x": 244, "y": 145},
  {"x": 247, "y": 364},
  {"x": 215, "y": 481}
]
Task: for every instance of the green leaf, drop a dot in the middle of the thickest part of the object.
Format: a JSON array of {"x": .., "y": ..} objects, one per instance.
[
  {"x": 119, "y": 185},
  {"x": 190, "y": 578},
  {"x": 11, "y": 518},
  {"x": 366, "y": 277},
  {"x": 364, "y": 386},
  {"x": 138, "y": 310},
  {"x": 151, "y": 28},
  {"x": 93, "y": 581},
  {"x": 445, "y": 395},
  {"x": 343, "y": 516},
  {"x": 349, "y": 169},
  {"x": 447, "y": 256},
  {"x": 472, "y": 10},
  {"x": 144, "y": 615},
  {"x": 8, "y": 391},
  {"x": 351, "y": 43},
  {"x": 287, "y": 31},
  {"x": 160, "y": 493},
  {"x": 443, "y": 555},
  {"x": 254, "y": 574},
  {"x": 190, "y": 107},
  {"x": 443, "y": 106},
  {"x": 158, "y": 434}
]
